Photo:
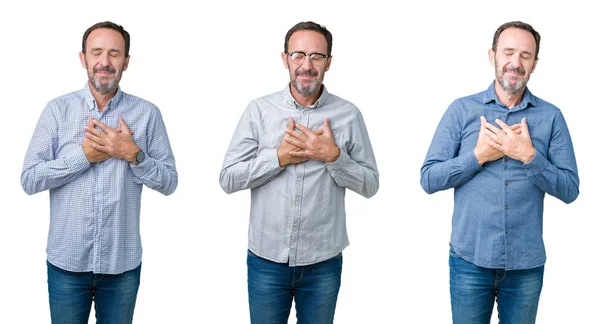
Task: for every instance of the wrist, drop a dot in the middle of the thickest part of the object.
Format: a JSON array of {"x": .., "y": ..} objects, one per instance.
[
  {"x": 282, "y": 161},
  {"x": 336, "y": 156},
  {"x": 528, "y": 157},
  {"x": 478, "y": 157},
  {"x": 137, "y": 157}
]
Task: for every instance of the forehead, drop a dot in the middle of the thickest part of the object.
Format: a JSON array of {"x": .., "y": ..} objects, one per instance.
[
  {"x": 516, "y": 38},
  {"x": 105, "y": 38},
  {"x": 308, "y": 41}
]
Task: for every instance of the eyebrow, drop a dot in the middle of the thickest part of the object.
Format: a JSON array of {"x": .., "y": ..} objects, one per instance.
[
  {"x": 513, "y": 49},
  {"x": 112, "y": 50}
]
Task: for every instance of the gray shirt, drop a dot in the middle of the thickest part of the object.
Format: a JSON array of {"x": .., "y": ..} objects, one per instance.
[{"x": 297, "y": 212}]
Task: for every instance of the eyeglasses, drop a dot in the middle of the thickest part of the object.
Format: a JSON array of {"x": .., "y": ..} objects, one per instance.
[{"x": 315, "y": 58}]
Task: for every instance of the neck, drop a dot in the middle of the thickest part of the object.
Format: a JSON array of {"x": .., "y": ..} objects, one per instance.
[
  {"x": 102, "y": 99},
  {"x": 307, "y": 100},
  {"x": 508, "y": 99}
]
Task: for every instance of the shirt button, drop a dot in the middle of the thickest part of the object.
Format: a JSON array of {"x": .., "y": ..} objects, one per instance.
[
  {"x": 506, "y": 206},
  {"x": 299, "y": 179},
  {"x": 526, "y": 169},
  {"x": 506, "y": 183},
  {"x": 297, "y": 203},
  {"x": 506, "y": 230},
  {"x": 506, "y": 159}
]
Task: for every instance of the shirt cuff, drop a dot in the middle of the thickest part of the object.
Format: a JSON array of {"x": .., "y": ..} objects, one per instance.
[
  {"x": 470, "y": 162},
  {"x": 536, "y": 165},
  {"x": 339, "y": 163},
  {"x": 141, "y": 168},
  {"x": 76, "y": 161}
]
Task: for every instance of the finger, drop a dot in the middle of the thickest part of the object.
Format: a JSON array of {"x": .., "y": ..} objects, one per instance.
[
  {"x": 504, "y": 126},
  {"x": 100, "y": 148},
  {"x": 302, "y": 154},
  {"x": 483, "y": 121},
  {"x": 327, "y": 128},
  {"x": 95, "y": 139},
  {"x": 100, "y": 124},
  {"x": 495, "y": 145},
  {"x": 124, "y": 127},
  {"x": 524, "y": 126},
  {"x": 516, "y": 128},
  {"x": 95, "y": 132},
  {"x": 90, "y": 124},
  {"x": 319, "y": 132},
  {"x": 492, "y": 128},
  {"x": 294, "y": 134},
  {"x": 491, "y": 135},
  {"x": 291, "y": 125},
  {"x": 305, "y": 130},
  {"x": 295, "y": 142}
]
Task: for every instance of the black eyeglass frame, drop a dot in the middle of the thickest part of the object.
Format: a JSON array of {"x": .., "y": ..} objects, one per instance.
[{"x": 311, "y": 56}]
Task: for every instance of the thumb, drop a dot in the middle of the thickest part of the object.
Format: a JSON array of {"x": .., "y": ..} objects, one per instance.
[
  {"x": 483, "y": 121},
  {"x": 124, "y": 127},
  {"x": 291, "y": 125},
  {"x": 326, "y": 127},
  {"x": 524, "y": 127}
]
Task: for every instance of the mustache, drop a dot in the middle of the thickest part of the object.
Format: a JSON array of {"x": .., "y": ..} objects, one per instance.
[
  {"x": 311, "y": 73},
  {"x": 108, "y": 69},
  {"x": 513, "y": 69}
]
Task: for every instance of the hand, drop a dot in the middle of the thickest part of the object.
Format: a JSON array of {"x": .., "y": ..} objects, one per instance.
[
  {"x": 515, "y": 145},
  {"x": 116, "y": 142},
  {"x": 90, "y": 152},
  {"x": 483, "y": 152},
  {"x": 283, "y": 152},
  {"x": 318, "y": 145}
]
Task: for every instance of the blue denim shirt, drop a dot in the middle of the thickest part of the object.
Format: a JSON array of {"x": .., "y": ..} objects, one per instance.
[{"x": 498, "y": 207}]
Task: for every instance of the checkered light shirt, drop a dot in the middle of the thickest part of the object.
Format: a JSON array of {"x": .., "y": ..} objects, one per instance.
[{"x": 95, "y": 208}]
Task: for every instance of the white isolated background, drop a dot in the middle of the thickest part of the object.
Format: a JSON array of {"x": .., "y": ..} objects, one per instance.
[{"x": 401, "y": 63}]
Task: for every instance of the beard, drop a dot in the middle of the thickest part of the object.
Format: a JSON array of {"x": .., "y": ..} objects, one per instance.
[
  {"x": 508, "y": 83},
  {"x": 104, "y": 84},
  {"x": 308, "y": 89}
]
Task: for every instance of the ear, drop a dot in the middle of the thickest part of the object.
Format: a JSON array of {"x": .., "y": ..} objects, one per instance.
[
  {"x": 82, "y": 59},
  {"x": 285, "y": 61},
  {"x": 492, "y": 57},
  {"x": 126, "y": 63},
  {"x": 328, "y": 63},
  {"x": 534, "y": 65}
]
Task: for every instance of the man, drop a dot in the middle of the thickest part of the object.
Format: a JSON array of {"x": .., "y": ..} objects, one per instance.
[
  {"x": 500, "y": 174},
  {"x": 298, "y": 150},
  {"x": 94, "y": 149}
]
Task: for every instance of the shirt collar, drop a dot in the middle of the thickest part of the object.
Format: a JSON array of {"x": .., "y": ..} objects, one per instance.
[
  {"x": 91, "y": 102},
  {"x": 490, "y": 95},
  {"x": 289, "y": 99}
]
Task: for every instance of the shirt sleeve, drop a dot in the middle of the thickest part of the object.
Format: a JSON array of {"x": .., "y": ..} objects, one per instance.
[
  {"x": 158, "y": 170},
  {"x": 42, "y": 169},
  {"x": 243, "y": 167},
  {"x": 443, "y": 167},
  {"x": 556, "y": 174},
  {"x": 356, "y": 168}
]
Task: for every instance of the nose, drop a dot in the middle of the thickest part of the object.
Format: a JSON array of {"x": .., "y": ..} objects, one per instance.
[
  {"x": 307, "y": 64},
  {"x": 104, "y": 59},
  {"x": 515, "y": 60}
]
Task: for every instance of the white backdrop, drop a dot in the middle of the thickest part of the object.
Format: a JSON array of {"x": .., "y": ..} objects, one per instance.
[{"x": 401, "y": 64}]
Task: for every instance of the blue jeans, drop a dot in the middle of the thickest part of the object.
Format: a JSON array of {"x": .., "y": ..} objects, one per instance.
[
  {"x": 71, "y": 295},
  {"x": 272, "y": 286},
  {"x": 474, "y": 289}
]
